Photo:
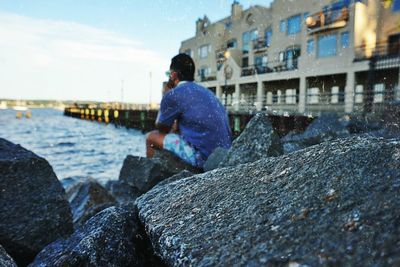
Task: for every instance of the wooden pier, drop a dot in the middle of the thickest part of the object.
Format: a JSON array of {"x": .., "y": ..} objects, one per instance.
[{"x": 144, "y": 120}]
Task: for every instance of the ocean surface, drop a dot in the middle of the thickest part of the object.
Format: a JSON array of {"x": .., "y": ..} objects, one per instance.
[{"x": 73, "y": 147}]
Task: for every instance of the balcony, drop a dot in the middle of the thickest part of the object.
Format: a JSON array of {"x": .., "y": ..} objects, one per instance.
[
  {"x": 379, "y": 50},
  {"x": 260, "y": 45},
  {"x": 331, "y": 18},
  {"x": 272, "y": 66},
  {"x": 208, "y": 77}
]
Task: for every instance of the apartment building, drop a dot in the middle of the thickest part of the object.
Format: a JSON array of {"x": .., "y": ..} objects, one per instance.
[{"x": 301, "y": 57}]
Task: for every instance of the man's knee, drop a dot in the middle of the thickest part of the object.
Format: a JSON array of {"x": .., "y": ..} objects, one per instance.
[{"x": 155, "y": 139}]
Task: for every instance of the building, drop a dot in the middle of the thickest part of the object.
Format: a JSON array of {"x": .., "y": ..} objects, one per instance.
[{"x": 301, "y": 57}]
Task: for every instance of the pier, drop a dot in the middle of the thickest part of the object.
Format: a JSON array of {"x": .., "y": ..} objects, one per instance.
[{"x": 144, "y": 120}]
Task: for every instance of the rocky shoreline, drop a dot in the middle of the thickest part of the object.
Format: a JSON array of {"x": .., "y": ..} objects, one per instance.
[{"x": 324, "y": 197}]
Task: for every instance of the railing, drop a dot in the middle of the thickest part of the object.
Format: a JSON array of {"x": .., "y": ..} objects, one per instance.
[
  {"x": 220, "y": 53},
  {"x": 274, "y": 66},
  {"x": 208, "y": 77},
  {"x": 382, "y": 50},
  {"x": 260, "y": 44},
  {"x": 288, "y": 104},
  {"x": 333, "y": 17}
]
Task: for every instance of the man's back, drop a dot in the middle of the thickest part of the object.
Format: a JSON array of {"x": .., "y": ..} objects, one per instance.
[{"x": 202, "y": 119}]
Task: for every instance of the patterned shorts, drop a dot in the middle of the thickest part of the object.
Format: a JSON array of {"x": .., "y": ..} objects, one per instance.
[{"x": 177, "y": 145}]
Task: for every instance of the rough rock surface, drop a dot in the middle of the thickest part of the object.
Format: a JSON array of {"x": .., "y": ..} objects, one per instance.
[
  {"x": 332, "y": 204},
  {"x": 111, "y": 238},
  {"x": 144, "y": 173},
  {"x": 122, "y": 191},
  {"x": 5, "y": 259},
  {"x": 34, "y": 210},
  {"x": 213, "y": 161},
  {"x": 326, "y": 127},
  {"x": 183, "y": 174},
  {"x": 88, "y": 198},
  {"x": 257, "y": 141}
]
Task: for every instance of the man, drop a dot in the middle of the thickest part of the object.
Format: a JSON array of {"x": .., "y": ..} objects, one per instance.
[{"x": 191, "y": 122}]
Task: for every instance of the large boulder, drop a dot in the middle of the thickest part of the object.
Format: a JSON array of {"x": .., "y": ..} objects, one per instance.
[
  {"x": 217, "y": 156},
  {"x": 257, "y": 141},
  {"x": 326, "y": 127},
  {"x": 112, "y": 237},
  {"x": 34, "y": 210},
  {"x": 332, "y": 204},
  {"x": 122, "y": 191},
  {"x": 144, "y": 173},
  {"x": 88, "y": 198},
  {"x": 5, "y": 259}
]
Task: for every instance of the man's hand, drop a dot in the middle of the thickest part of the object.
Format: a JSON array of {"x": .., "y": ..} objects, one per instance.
[{"x": 170, "y": 84}]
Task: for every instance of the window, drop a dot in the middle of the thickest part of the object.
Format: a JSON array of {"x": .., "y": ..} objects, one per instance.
[
  {"x": 291, "y": 58},
  {"x": 204, "y": 72},
  {"x": 260, "y": 63},
  {"x": 245, "y": 62},
  {"x": 282, "y": 26},
  {"x": 310, "y": 46},
  {"x": 247, "y": 37},
  {"x": 232, "y": 43},
  {"x": 268, "y": 37},
  {"x": 188, "y": 52},
  {"x": 246, "y": 41},
  {"x": 345, "y": 39},
  {"x": 281, "y": 56},
  {"x": 327, "y": 45},
  {"x": 294, "y": 24},
  {"x": 396, "y": 6},
  {"x": 253, "y": 35},
  {"x": 204, "y": 50},
  {"x": 305, "y": 15}
]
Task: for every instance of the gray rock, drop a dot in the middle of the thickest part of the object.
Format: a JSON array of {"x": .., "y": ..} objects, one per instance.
[
  {"x": 122, "y": 191},
  {"x": 88, "y": 198},
  {"x": 112, "y": 237},
  {"x": 34, "y": 210},
  {"x": 257, "y": 141},
  {"x": 218, "y": 155},
  {"x": 144, "y": 173},
  {"x": 183, "y": 174},
  {"x": 5, "y": 259},
  {"x": 332, "y": 204},
  {"x": 326, "y": 127}
]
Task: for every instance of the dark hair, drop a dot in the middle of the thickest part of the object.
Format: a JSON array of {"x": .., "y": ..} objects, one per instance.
[{"x": 184, "y": 66}]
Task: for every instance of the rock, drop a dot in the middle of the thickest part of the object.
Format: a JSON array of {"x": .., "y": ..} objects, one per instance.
[
  {"x": 122, "y": 191},
  {"x": 257, "y": 141},
  {"x": 5, "y": 259},
  {"x": 112, "y": 237},
  {"x": 69, "y": 182},
  {"x": 332, "y": 204},
  {"x": 218, "y": 155},
  {"x": 358, "y": 124},
  {"x": 326, "y": 127},
  {"x": 34, "y": 210},
  {"x": 88, "y": 198},
  {"x": 183, "y": 174},
  {"x": 144, "y": 173}
]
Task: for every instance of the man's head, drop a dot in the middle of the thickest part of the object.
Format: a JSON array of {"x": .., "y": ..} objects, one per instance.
[{"x": 182, "y": 68}]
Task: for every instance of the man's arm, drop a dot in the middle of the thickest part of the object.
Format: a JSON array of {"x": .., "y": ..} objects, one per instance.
[{"x": 163, "y": 128}]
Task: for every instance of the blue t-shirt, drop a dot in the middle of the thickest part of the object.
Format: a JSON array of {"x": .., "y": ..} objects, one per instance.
[{"x": 202, "y": 119}]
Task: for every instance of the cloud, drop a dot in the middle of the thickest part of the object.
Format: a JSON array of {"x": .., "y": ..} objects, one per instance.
[{"x": 66, "y": 60}]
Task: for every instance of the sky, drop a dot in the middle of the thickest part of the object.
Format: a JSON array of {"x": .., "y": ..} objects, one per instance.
[{"x": 98, "y": 50}]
